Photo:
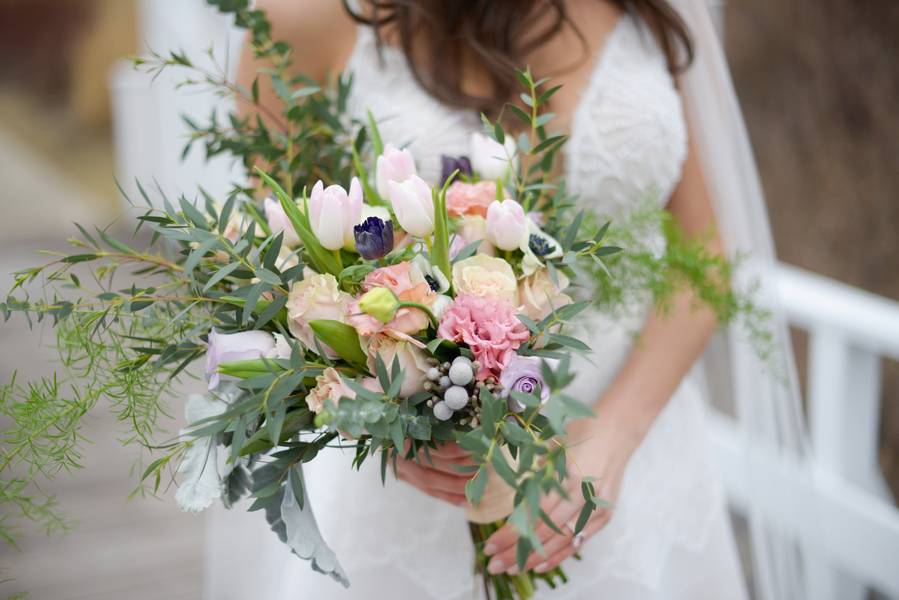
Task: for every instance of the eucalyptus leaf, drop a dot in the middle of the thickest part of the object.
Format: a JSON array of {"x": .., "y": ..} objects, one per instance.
[{"x": 297, "y": 527}]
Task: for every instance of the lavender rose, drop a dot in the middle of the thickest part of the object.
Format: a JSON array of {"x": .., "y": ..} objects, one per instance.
[
  {"x": 243, "y": 345},
  {"x": 523, "y": 374}
]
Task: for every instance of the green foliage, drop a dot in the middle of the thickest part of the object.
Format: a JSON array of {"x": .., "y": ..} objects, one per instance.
[{"x": 341, "y": 338}]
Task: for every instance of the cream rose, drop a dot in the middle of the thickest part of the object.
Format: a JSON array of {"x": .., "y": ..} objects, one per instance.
[
  {"x": 315, "y": 297},
  {"x": 485, "y": 277},
  {"x": 328, "y": 386},
  {"x": 413, "y": 361},
  {"x": 539, "y": 295}
]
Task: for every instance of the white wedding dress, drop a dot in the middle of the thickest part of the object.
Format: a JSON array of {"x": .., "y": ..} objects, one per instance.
[{"x": 670, "y": 537}]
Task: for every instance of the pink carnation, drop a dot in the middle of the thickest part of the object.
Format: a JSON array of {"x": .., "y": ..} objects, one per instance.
[
  {"x": 470, "y": 198},
  {"x": 489, "y": 327}
]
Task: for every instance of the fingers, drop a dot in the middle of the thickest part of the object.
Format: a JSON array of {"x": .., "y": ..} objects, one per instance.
[
  {"x": 501, "y": 545},
  {"x": 433, "y": 483},
  {"x": 423, "y": 477},
  {"x": 446, "y": 458},
  {"x": 561, "y": 514},
  {"x": 454, "y": 499},
  {"x": 450, "y": 467},
  {"x": 599, "y": 521},
  {"x": 449, "y": 451}
]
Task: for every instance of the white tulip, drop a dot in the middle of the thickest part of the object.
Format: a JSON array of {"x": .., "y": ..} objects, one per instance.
[
  {"x": 489, "y": 158},
  {"x": 413, "y": 205}
]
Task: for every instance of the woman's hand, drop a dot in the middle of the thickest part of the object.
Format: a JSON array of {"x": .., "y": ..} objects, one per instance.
[
  {"x": 594, "y": 450},
  {"x": 438, "y": 477}
]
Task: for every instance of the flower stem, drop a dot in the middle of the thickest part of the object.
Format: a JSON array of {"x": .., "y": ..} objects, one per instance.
[{"x": 431, "y": 317}]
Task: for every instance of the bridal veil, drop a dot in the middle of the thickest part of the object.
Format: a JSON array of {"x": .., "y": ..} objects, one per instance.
[{"x": 764, "y": 390}]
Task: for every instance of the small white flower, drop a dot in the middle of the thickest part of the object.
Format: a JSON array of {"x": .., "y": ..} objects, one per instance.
[
  {"x": 201, "y": 466},
  {"x": 548, "y": 245},
  {"x": 432, "y": 274}
]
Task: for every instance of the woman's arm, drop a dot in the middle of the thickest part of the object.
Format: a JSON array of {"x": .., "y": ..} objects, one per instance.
[
  {"x": 668, "y": 346},
  {"x": 671, "y": 342}
]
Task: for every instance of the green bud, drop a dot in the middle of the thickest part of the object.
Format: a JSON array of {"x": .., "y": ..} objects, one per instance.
[
  {"x": 380, "y": 303},
  {"x": 322, "y": 419}
]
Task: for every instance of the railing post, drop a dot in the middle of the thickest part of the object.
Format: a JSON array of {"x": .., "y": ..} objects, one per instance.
[
  {"x": 148, "y": 126},
  {"x": 844, "y": 411}
]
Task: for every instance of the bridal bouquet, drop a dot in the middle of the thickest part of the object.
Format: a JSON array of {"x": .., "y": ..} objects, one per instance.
[
  {"x": 358, "y": 305},
  {"x": 394, "y": 315}
]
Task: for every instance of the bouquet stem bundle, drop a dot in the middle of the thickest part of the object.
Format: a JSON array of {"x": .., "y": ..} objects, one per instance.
[{"x": 502, "y": 586}]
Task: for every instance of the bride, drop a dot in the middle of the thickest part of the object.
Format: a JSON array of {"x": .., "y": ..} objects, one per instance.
[{"x": 426, "y": 69}]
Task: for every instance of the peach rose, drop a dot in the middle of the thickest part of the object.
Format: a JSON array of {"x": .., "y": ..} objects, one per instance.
[
  {"x": 485, "y": 277},
  {"x": 472, "y": 228},
  {"x": 328, "y": 386},
  {"x": 470, "y": 198},
  {"x": 539, "y": 295},
  {"x": 408, "y": 282},
  {"x": 316, "y": 297}
]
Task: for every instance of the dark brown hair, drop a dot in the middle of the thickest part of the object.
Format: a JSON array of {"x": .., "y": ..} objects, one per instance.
[{"x": 493, "y": 36}]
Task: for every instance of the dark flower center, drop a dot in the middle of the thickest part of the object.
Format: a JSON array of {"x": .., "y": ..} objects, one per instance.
[
  {"x": 432, "y": 281},
  {"x": 539, "y": 246}
]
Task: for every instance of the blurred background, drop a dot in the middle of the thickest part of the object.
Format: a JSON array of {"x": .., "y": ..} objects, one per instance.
[{"x": 819, "y": 84}]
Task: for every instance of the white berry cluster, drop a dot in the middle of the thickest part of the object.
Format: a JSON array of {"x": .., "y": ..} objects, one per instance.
[{"x": 453, "y": 386}]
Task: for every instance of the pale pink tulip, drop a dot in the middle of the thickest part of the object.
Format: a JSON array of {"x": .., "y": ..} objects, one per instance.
[
  {"x": 333, "y": 213},
  {"x": 393, "y": 165},
  {"x": 507, "y": 225},
  {"x": 278, "y": 222},
  {"x": 413, "y": 205}
]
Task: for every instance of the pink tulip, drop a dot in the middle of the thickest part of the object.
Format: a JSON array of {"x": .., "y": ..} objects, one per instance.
[
  {"x": 507, "y": 224},
  {"x": 393, "y": 165},
  {"x": 333, "y": 213},
  {"x": 413, "y": 205},
  {"x": 278, "y": 222}
]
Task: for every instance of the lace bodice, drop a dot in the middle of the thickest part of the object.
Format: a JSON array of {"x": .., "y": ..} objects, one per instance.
[{"x": 628, "y": 137}]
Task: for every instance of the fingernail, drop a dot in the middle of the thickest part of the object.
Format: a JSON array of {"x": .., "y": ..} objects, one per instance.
[
  {"x": 512, "y": 572},
  {"x": 495, "y": 566},
  {"x": 542, "y": 568},
  {"x": 490, "y": 549}
]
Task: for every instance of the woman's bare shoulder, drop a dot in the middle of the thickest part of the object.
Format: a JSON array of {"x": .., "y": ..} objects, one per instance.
[{"x": 320, "y": 32}]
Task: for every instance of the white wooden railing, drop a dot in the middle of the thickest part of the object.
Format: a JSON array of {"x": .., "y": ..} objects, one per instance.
[{"x": 836, "y": 502}]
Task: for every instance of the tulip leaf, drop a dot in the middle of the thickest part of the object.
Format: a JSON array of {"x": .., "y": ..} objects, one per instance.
[
  {"x": 322, "y": 260},
  {"x": 440, "y": 255},
  {"x": 341, "y": 338},
  {"x": 370, "y": 194},
  {"x": 377, "y": 144}
]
